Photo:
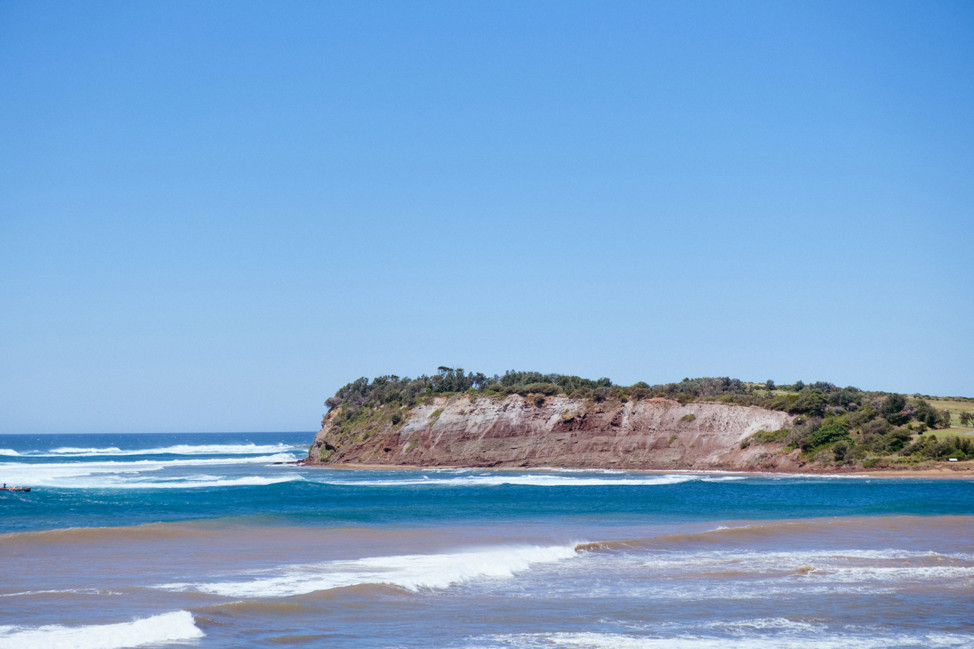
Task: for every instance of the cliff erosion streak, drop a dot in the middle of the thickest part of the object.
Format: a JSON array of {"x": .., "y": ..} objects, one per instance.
[{"x": 559, "y": 431}]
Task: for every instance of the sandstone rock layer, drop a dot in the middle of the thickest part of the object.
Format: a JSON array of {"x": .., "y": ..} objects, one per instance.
[{"x": 562, "y": 432}]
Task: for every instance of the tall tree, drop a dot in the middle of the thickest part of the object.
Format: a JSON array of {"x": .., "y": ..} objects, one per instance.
[{"x": 892, "y": 409}]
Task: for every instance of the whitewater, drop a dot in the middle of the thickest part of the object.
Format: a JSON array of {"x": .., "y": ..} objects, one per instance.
[{"x": 223, "y": 540}]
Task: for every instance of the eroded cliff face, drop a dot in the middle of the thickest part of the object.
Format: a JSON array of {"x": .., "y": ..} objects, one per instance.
[{"x": 562, "y": 432}]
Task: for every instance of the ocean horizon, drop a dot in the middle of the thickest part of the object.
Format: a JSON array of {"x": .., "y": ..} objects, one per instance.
[{"x": 221, "y": 540}]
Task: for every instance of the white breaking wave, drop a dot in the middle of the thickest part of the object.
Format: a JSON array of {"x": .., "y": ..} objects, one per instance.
[
  {"x": 776, "y": 624},
  {"x": 412, "y": 572},
  {"x": 112, "y": 474},
  {"x": 534, "y": 480},
  {"x": 8, "y": 451},
  {"x": 176, "y": 626},
  {"x": 178, "y": 449},
  {"x": 198, "y": 482},
  {"x": 69, "y": 450}
]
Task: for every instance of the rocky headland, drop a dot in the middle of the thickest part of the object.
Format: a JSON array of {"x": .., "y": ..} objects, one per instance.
[
  {"x": 559, "y": 431},
  {"x": 528, "y": 419}
]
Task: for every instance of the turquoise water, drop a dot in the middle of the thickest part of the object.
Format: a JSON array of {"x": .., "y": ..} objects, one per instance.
[{"x": 219, "y": 540}]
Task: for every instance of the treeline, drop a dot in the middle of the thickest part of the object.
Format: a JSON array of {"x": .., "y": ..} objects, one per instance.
[{"x": 408, "y": 392}]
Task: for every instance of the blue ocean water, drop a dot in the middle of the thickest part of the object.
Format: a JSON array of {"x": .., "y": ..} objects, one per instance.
[{"x": 222, "y": 540}]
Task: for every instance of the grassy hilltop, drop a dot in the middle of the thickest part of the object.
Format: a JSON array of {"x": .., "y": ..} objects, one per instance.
[{"x": 831, "y": 425}]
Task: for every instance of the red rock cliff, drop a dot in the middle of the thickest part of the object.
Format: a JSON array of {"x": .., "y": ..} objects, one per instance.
[{"x": 561, "y": 432}]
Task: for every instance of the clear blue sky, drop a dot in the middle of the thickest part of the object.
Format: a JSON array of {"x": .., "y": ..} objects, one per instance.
[{"x": 215, "y": 214}]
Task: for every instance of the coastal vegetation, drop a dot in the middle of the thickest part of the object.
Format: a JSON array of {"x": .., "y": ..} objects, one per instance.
[{"x": 831, "y": 425}]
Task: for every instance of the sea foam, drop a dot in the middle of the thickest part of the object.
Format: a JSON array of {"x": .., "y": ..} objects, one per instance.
[
  {"x": 178, "y": 449},
  {"x": 786, "y": 640},
  {"x": 176, "y": 626},
  {"x": 411, "y": 572},
  {"x": 534, "y": 480},
  {"x": 108, "y": 474},
  {"x": 198, "y": 482}
]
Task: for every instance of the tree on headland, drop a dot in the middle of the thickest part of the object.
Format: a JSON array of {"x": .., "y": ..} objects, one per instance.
[
  {"x": 893, "y": 409},
  {"x": 933, "y": 418}
]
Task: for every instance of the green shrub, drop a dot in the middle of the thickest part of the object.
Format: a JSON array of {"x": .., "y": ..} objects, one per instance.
[
  {"x": 771, "y": 437},
  {"x": 784, "y": 402},
  {"x": 878, "y": 426},
  {"x": 840, "y": 450},
  {"x": 810, "y": 402},
  {"x": 899, "y": 437},
  {"x": 862, "y": 416},
  {"x": 828, "y": 434}
]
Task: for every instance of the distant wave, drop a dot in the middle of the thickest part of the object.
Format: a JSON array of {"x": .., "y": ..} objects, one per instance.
[
  {"x": 177, "y": 626},
  {"x": 178, "y": 449},
  {"x": 114, "y": 450},
  {"x": 8, "y": 451},
  {"x": 199, "y": 482},
  {"x": 110, "y": 474},
  {"x": 536, "y": 480},
  {"x": 411, "y": 572}
]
